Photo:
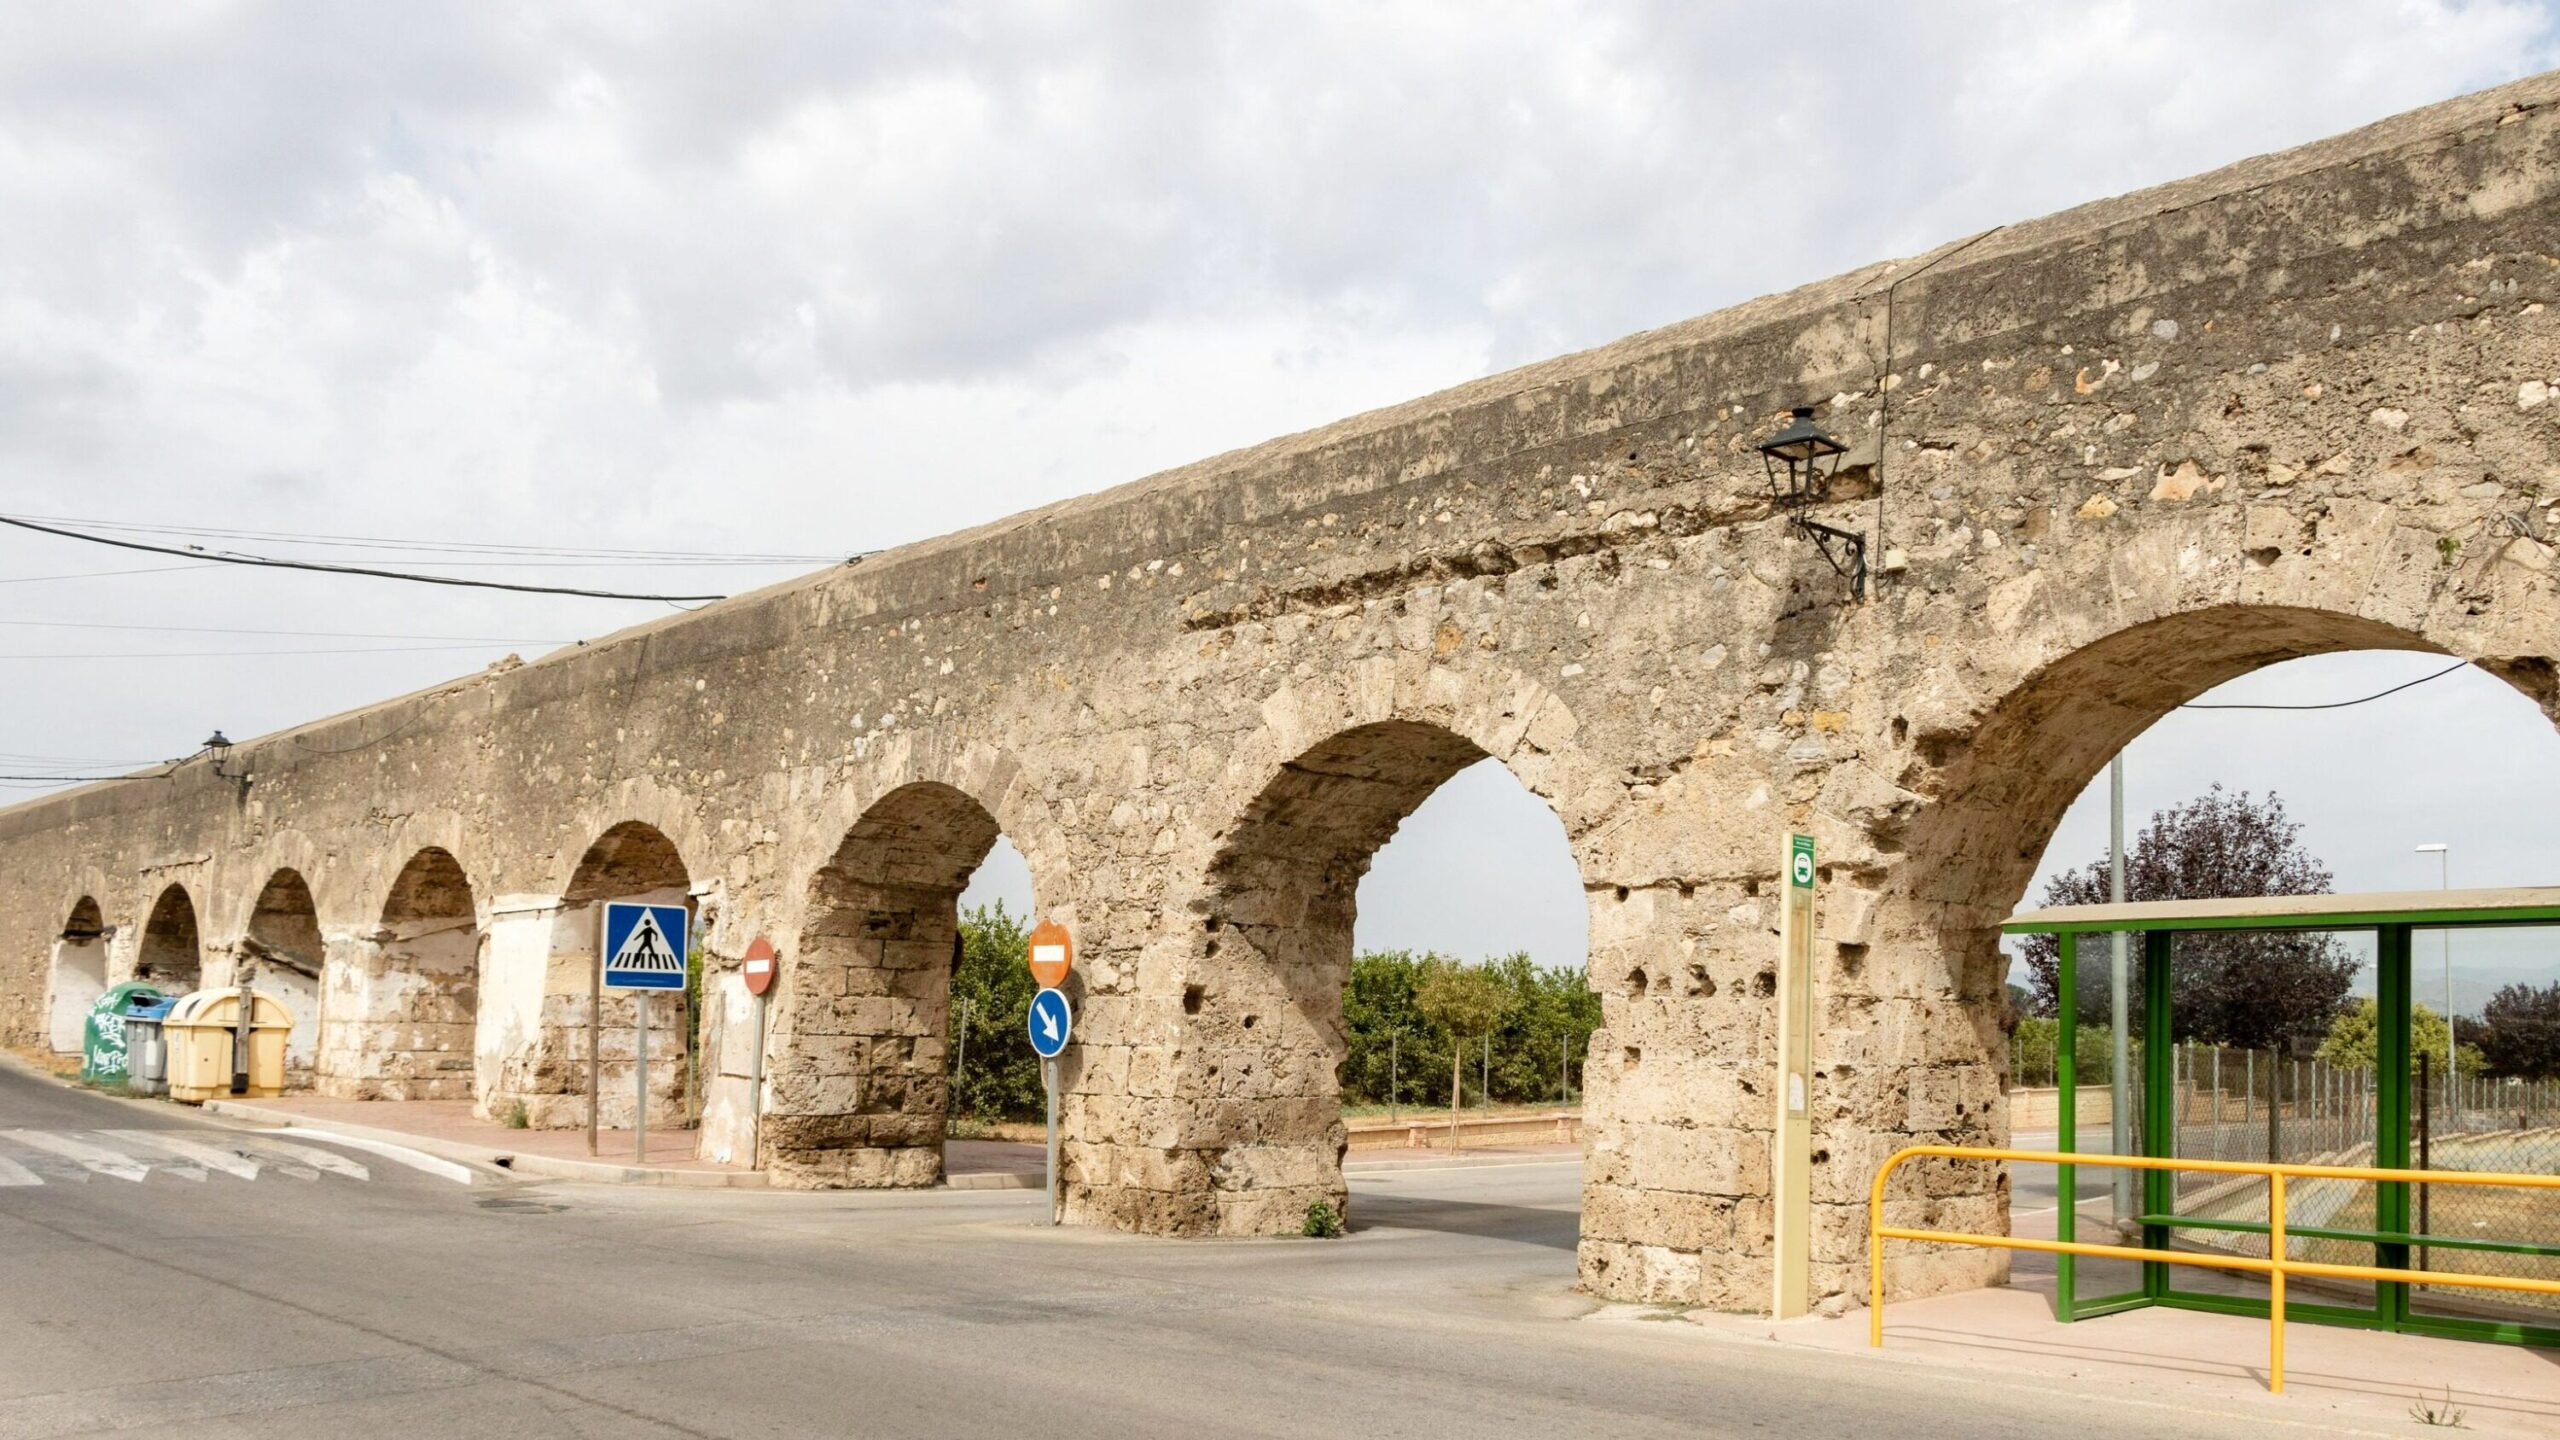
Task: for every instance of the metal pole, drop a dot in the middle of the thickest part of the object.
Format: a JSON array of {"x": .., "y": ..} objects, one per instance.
[
  {"x": 1564, "y": 1070},
  {"x": 960, "y": 1052},
  {"x": 1395, "y": 1113},
  {"x": 1049, "y": 1081},
  {"x": 1488, "y": 1069},
  {"x": 2119, "y": 1008},
  {"x": 755, "y": 1094},
  {"x": 2425, "y": 1156},
  {"x": 2217, "y": 1102},
  {"x": 640, "y": 1077},
  {"x": 595, "y": 1034},
  {"x": 2444, "y": 881}
]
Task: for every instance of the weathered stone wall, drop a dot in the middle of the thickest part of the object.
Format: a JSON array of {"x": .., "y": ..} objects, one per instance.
[{"x": 2110, "y": 459}]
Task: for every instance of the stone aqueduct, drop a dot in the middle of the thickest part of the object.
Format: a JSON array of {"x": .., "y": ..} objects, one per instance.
[{"x": 2105, "y": 460}]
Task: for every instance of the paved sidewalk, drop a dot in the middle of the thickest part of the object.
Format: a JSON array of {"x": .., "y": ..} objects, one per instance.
[
  {"x": 2335, "y": 1378},
  {"x": 448, "y": 1128}
]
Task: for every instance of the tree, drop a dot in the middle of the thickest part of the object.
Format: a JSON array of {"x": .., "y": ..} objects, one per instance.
[
  {"x": 2256, "y": 990},
  {"x": 2518, "y": 1032},
  {"x": 991, "y": 989},
  {"x": 2352, "y": 1041},
  {"x": 1393, "y": 1053},
  {"x": 1466, "y": 1002}
]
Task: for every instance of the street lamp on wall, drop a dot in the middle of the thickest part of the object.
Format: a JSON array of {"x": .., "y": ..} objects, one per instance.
[
  {"x": 218, "y": 746},
  {"x": 1801, "y": 460}
]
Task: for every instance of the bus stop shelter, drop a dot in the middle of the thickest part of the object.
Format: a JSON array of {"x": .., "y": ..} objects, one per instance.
[{"x": 2171, "y": 1094}]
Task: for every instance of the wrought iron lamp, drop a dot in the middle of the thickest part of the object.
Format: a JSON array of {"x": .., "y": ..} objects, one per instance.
[
  {"x": 218, "y": 745},
  {"x": 1802, "y": 459}
]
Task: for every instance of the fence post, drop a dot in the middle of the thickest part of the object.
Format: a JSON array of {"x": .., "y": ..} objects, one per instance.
[{"x": 2217, "y": 1102}]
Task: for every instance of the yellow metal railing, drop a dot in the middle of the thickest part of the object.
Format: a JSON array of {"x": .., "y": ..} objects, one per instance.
[{"x": 2276, "y": 1267}]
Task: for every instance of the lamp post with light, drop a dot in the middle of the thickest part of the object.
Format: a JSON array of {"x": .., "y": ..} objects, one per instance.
[{"x": 2444, "y": 881}]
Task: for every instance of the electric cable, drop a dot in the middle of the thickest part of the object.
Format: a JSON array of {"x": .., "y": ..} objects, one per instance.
[
  {"x": 303, "y": 634},
  {"x": 457, "y": 547},
  {"x": 268, "y": 562},
  {"x": 2338, "y": 704}
]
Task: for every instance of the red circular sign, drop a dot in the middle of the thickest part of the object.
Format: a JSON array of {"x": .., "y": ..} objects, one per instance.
[
  {"x": 760, "y": 965},
  {"x": 1050, "y": 953}
]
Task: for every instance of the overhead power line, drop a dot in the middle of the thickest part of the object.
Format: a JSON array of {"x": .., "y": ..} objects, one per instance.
[
  {"x": 269, "y": 562},
  {"x": 301, "y": 634},
  {"x": 103, "y": 574},
  {"x": 2339, "y": 704},
  {"x": 450, "y": 547},
  {"x": 236, "y": 654}
]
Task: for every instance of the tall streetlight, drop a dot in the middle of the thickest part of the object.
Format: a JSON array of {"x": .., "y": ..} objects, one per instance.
[
  {"x": 2444, "y": 881},
  {"x": 2119, "y": 1000}
]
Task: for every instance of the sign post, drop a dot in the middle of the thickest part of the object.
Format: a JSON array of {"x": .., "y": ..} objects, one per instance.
[
  {"x": 1051, "y": 1021},
  {"x": 757, "y": 970},
  {"x": 1792, "y": 1156},
  {"x": 643, "y": 950}
]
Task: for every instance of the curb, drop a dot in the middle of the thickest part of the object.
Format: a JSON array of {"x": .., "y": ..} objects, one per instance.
[
  {"x": 500, "y": 1160},
  {"x": 993, "y": 1180}
]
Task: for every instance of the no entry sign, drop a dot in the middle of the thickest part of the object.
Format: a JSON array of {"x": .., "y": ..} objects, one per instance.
[
  {"x": 1052, "y": 954},
  {"x": 759, "y": 966}
]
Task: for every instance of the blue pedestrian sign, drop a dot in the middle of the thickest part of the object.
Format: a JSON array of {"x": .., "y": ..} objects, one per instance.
[
  {"x": 643, "y": 946},
  {"x": 1051, "y": 1022}
]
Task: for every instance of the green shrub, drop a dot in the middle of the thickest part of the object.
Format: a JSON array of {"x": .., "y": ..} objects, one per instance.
[
  {"x": 518, "y": 1118},
  {"x": 1323, "y": 1221}
]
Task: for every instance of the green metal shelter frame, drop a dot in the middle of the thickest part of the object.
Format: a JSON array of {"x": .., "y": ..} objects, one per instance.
[{"x": 2391, "y": 918}]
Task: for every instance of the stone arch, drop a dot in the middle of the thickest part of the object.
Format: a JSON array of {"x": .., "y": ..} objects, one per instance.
[
  {"x": 535, "y": 1019},
  {"x": 402, "y": 1008},
  {"x": 2001, "y": 787},
  {"x": 1250, "y": 986},
  {"x": 170, "y": 953},
  {"x": 861, "y": 1088},
  {"x": 78, "y": 975},
  {"x": 281, "y": 951},
  {"x": 1990, "y": 792}
]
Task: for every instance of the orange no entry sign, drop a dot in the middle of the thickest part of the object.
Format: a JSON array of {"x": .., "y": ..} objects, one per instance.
[
  {"x": 759, "y": 966},
  {"x": 1052, "y": 954}
]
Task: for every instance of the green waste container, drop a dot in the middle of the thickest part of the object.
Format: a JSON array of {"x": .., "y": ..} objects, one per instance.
[{"x": 102, "y": 1038}]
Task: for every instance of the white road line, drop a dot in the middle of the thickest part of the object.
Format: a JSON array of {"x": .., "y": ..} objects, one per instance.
[
  {"x": 216, "y": 1157},
  {"x": 13, "y": 1173},
  {"x": 183, "y": 1168},
  {"x": 398, "y": 1154},
  {"x": 212, "y": 1157},
  {"x": 91, "y": 1157},
  {"x": 316, "y": 1159}
]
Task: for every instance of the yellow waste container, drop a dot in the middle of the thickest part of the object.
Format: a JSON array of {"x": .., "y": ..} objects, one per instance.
[{"x": 203, "y": 1032}]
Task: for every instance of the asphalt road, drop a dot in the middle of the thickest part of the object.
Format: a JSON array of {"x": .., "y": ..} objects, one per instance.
[{"x": 302, "y": 1300}]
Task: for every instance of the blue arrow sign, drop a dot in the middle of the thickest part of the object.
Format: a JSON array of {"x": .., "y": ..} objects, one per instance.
[
  {"x": 1051, "y": 1023},
  {"x": 643, "y": 946}
]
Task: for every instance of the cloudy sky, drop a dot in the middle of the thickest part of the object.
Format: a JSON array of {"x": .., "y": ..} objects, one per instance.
[{"x": 805, "y": 280}]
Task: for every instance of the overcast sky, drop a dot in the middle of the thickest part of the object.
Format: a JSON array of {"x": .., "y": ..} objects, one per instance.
[{"x": 819, "y": 279}]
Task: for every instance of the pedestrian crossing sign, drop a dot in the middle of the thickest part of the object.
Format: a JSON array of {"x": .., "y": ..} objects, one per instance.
[{"x": 644, "y": 946}]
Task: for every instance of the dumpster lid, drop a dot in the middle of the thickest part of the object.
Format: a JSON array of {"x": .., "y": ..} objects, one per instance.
[{"x": 149, "y": 1007}]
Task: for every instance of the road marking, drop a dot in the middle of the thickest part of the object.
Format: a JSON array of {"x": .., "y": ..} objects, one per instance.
[
  {"x": 182, "y": 1167},
  {"x": 91, "y": 1157},
  {"x": 230, "y": 1162},
  {"x": 398, "y": 1154},
  {"x": 13, "y": 1173},
  {"x": 316, "y": 1159}
]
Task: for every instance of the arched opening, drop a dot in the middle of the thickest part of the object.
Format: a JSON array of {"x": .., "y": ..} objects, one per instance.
[
  {"x": 1265, "y": 1025},
  {"x": 283, "y": 954},
  {"x": 2331, "y": 777},
  {"x": 401, "y": 1015},
  {"x": 861, "y": 1073},
  {"x": 79, "y": 975},
  {"x": 170, "y": 956},
  {"x": 550, "y": 1075}
]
